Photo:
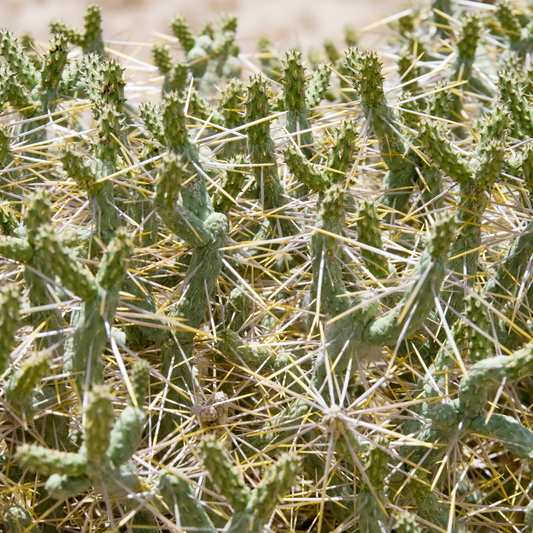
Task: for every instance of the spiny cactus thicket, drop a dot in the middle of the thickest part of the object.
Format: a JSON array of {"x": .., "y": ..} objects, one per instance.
[{"x": 279, "y": 291}]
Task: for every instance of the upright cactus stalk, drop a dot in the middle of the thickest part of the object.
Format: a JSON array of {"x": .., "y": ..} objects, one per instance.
[
  {"x": 99, "y": 294},
  {"x": 367, "y": 80},
  {"x": 37, "y": 270},
  {"x": 90, "y": 38},
  {"x": 193, "y": 219},
  {"x": 261, "y": 149},
  {"x": 9, "y": 323},
  {"x": 295, "y": 101},
  {"x": 466, "y": 51},
  {"x": 36, "y": 93}
]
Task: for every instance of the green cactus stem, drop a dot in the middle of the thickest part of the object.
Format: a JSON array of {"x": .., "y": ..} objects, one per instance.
[
  {"x": 231, "y": 109},
  {"x": 37, "y": 270},
  {"x": 261, "y": 150},
  {"x": 34, "y": 100},
  {"x": 369, "y": 233},
  {"x": 239, "y": 351},
  {"x": 100, "y": 192},
  {"x": 318, "y": 85},
  {"x": 370, "y": 507},
  {"x": 90, "y": 38},
  {"x": 487, "y": 166},
  {"x": 205, "y": 231},
  {"x": 20, "y": 386},
  {"x": 174, "y": 72},
  {"x": 517, "y": 105},
  {"x": 103, "y": 461},
  {"x": 487, "y": 375},
  {"x": 18, "y": 61},
  {"x": 252, "y": 508},
  {"x": 466, "y": 50},
  {"x": 231, "y": 184},
  {"x": 238, "y": 310},
  {"x": 100, "y": 296},
  {"x": 417, "y": 302},
  {"x": 9, "y": 323},
  {"x": 367, "y": 80},
  {"x": 295, "y": 101},
  {"x": 17, "y": 519},
  {"x": 197, "y": 49}
]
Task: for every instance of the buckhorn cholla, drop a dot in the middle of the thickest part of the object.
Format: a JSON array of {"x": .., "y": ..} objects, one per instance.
[{"x": 293, "y": 300}]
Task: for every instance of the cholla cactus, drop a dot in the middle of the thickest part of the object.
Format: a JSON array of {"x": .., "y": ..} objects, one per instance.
[
  {"x": 252, "y": 508},
  {"x": 108, "y": 446},
  {"x": 314, "y": 283},
  {"x": 90, "y": 38},
  {"x": 214, "y": 51}
]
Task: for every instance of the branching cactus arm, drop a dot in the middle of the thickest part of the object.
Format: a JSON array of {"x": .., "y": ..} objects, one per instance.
[
  {"x": 48, "y": 462},
  {"x": 276, "y": 483},
  {"x": 108, "y": 446},
  {"x": 226, "y": 477},
  {"x": 419, "y": 298},
  {"x": 435, "y": 143},
  {"x": 369, "y": 233},
  {"x": 517, "y": 105},
  {"x": 370, "y": 501},
  {"x": 261, "y": 146},
  {"x": 127, "y": 431},
  {"x": 15, "y": 249},
  {"x": 9, "y": 322},
  {"x": 177, "y": 217},
  {"x": 517, "y": 438},
  {"x": 502, "y": 284},
  {"x": 486, "y": 168},
  {"x": 232, "y": 184},
  {"x": 327, "y": 282},
  {"x": 178, "y": 495},
  {"x": 294, "y": 93},
  {"x": 304, "y": 171},
  {"x": 100, "y": 297},
  {"x": 318, "y": 85},
  {"x": 487, "y": 375},
  {"x": 20, "y": 386},
  {"x": 466, "y": 52},
  {"x": 367, "y": 80},
  {"x": 194, "y": 192},
  {"x": 12, "y": 91},
  {"x": 181, "y": 29},
  {"x": 90, "y": 38},
  {"x": 12, "y": 51},
  {"x": 74, "y": 276},
  {"x": 86, "y": 178},
  {"x": 37, "y": 268}
]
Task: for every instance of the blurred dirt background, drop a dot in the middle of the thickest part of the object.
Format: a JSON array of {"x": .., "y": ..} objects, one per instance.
[{"x": 287, "y": 22}]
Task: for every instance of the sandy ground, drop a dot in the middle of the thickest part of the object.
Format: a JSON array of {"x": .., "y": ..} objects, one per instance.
[{"x": 287, "y": 22}]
